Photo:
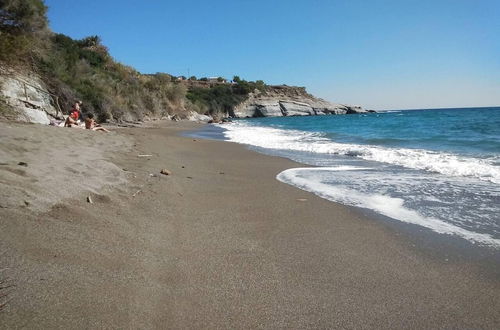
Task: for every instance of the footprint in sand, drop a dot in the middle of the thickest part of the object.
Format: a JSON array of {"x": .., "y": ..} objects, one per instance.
[{"x": 16, "y": 171}]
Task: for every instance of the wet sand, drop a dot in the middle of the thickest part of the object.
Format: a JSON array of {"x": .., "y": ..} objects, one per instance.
[{"x": 219, "y": 243}]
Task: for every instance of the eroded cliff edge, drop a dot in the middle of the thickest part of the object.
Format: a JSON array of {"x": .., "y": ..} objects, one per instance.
[{"x": 282, "y": 100}]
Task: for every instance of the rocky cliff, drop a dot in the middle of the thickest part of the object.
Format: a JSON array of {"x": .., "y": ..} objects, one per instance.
[
  {"x": 26, "y": 97},
  {"x": 278, "y": 101},
  {"x": 26, "y": 94}
]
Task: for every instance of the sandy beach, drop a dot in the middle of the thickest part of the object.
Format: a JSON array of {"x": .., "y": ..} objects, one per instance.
[{"x": 218, "y": 243}]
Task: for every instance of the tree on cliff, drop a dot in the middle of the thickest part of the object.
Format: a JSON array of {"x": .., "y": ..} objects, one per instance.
[
  {"x": 23, "y": 28},
  {"x": 22, "y": 16}
]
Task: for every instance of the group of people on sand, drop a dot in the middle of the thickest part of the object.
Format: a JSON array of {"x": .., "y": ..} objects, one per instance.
[{"x": 75, "y": 115}]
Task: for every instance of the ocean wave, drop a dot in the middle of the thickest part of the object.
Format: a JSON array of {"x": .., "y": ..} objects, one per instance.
[
  {"x": 310, "y": 179},
  {"x": 432, "y": 161}
]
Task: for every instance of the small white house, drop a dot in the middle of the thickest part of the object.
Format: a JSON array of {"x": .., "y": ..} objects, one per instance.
[{"x": 215, "y": 79}]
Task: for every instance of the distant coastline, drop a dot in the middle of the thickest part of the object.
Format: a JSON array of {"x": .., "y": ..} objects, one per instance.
[{"x": 445, "y": 108}]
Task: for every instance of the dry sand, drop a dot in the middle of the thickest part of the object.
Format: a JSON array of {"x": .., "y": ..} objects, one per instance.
[
  {"x": 40, "y": 165},
  {"x": 219, "y": 243}
]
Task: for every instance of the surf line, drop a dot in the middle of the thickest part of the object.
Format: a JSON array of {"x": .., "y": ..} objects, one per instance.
[{"x": 385, "y": 205}]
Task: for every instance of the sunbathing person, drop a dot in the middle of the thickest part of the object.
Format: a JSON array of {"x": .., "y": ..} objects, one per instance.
[
  {"x": 91, "y": 124},
  {"x": 72, "y": 120}
]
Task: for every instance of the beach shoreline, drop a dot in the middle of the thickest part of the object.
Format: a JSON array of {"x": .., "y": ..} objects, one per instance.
[
  {"x": 440, "y": 246},
  {"x": 218, "y": 243}
]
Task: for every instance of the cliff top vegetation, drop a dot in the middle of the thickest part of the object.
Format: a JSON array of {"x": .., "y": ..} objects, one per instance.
[{"x": 84, "y": 69}]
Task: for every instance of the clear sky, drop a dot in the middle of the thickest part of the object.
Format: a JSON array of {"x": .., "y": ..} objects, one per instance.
[{"x": 392, "y": 54}]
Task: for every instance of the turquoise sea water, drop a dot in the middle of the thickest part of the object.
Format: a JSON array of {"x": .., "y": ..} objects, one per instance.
[
  {"x": 436, "y": 168},
  {"x": 474, "y": 132}
]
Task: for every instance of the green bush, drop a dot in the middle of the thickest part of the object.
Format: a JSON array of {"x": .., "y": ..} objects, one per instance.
[
  {"x": 223, "y": 98},
  {"x": 218, "y": 99},
  {"x": 14, "y": 49},
  {"x": 22, "y": 26},
  {"x": 22, "y": 16}
]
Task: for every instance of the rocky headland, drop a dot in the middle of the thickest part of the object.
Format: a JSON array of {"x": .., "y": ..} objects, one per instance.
[
  {"x": 29, "y": 100},
  {"x": 282, "y": 100}
]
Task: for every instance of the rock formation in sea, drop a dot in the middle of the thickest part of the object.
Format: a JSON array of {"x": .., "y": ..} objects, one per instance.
[{"x": 279, "y": 101}]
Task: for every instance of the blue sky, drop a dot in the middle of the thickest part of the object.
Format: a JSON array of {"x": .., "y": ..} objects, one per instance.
[{"x": 393, "y": 54}]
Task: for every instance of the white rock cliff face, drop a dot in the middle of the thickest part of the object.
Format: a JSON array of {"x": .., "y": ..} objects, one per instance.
[
  {"x": 28, "y": 96},
  {"x": 280, "y": 101}
]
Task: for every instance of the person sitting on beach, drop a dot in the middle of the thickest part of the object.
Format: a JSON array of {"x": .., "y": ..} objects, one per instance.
[
  {"x": 91, "y": 124},
  {"x": 72, "y": 120}
]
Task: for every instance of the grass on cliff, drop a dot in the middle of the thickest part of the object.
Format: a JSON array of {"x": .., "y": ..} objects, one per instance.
[
  {"x": 23, "y": 27},
  {"x": 84, "y": 70}
]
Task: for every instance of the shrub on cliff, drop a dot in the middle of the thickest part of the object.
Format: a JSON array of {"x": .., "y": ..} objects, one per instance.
[
  {"x": 22, "y": 16},
  {"x": 109, "y": 89},
  {"x": 218, "y": 99},
  {"x": 222, "y": 98},
  {"x": 23, "y": 26}
]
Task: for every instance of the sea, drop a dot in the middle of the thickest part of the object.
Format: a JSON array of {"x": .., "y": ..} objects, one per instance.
[{"x": 438, "y": 169}]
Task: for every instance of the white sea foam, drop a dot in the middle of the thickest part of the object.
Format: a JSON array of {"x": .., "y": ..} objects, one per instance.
[
  {"x": 310, "y": 179},
  {"x": 440, "y": 162}
]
